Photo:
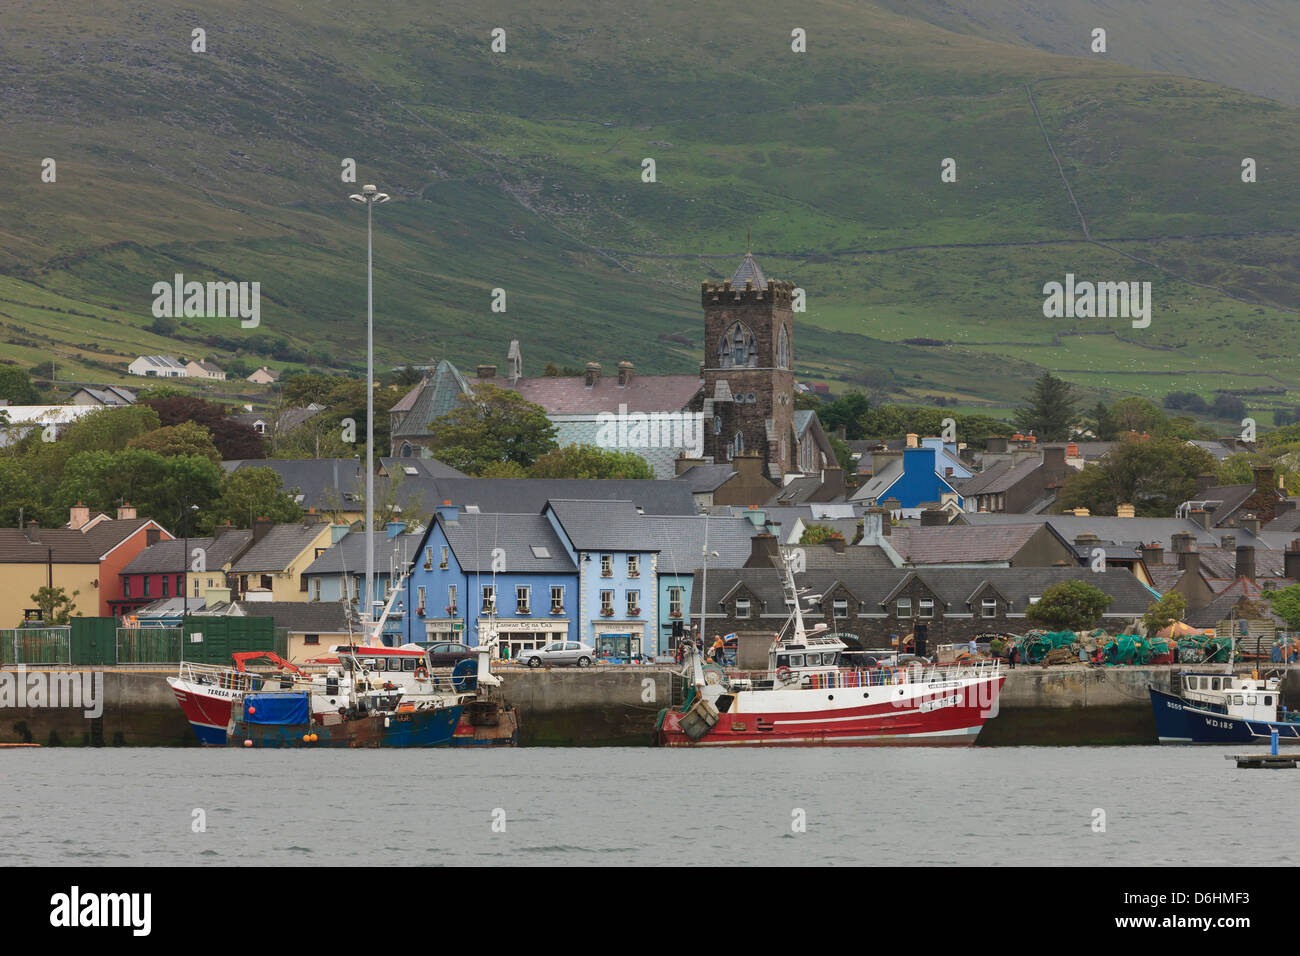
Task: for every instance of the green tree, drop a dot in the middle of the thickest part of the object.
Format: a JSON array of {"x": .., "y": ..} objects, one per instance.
[
  {"x": 57, "y": 606},
  {"x": 1136, "y": 414},
  {"x": 1069, "y": 606},
  {"x": 253, "y": 492},
  {"x": 1154, "y": 475},
  {"x": 817, "y": 534},
  {"x": 1285, "y": 603},
  {"x": 301, "y": 390},
  {"x": 1102, "y": 423},
  {"x": 1050, "y": 412},
  {"x": 492, "y": 425},
  {"x": 16, "y": 386},
  {"x": 1168, "y": 610},
  {"x": 588, "y": 461},
  {"x": 847, "y": 410},
  {"x": 503, "y": 469},
  {"x": 187, "y": 438}
]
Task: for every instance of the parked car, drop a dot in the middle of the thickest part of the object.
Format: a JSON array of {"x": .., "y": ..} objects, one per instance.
[
  {"x": 559, "y": 652},
  {"x": 447, "y": 653}
]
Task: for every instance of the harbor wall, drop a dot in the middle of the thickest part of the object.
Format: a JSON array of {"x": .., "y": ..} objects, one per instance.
[{"x": 1060, "y": 706}]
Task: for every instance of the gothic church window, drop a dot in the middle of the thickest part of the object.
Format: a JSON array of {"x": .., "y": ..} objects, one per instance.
[
  {"x": 738, "y": 347},
  {"x": 783, "y": 348}
]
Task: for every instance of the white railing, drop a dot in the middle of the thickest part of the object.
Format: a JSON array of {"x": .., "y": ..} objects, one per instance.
[{"x": 822, "y": 678}]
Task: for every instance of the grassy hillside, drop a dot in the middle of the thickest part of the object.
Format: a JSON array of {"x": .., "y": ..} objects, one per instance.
[{"x": 522, "y": 170}]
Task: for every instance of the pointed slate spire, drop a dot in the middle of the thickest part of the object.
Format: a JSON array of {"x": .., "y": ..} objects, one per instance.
[{"x": 749, "y": 272}]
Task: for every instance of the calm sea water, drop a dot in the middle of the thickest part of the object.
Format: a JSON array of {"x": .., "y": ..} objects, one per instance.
[{"x": 1163, "y": 805}]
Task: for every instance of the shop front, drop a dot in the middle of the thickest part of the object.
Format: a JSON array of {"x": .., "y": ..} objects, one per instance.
[
  {"x": 619, "y": 640},
  {"x": 516, "y": 636}
]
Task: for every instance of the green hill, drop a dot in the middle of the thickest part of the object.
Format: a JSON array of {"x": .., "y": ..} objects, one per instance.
[{"x": 522, "y": 170}]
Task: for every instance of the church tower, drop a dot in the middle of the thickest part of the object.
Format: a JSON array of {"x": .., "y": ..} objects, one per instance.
[{"x": 748, "y": 382}]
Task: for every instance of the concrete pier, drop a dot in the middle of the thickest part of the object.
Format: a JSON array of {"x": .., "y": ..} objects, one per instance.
[{"x": 617, "y": 706}]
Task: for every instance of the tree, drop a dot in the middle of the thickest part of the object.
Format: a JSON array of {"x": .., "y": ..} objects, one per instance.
[
  {"x": 588, "y": 461},
  {"x": 1168, "y": 610},
  {"x": 847, "y": 410},
  {"x": 1137, "y": 414},
  {"x": 492, "y": 425},
  {"x": 1070, "y": 606},
  {"x": 232, "y": 439},
  {"x": 1154, "y": 475},
  {"x": 1050, "y": 412},
  {"x": 301, "y": 390},
  {"x": 187, "y": 438},
  {"x": 56, "y": 605},
  {"x": 817, "y": 534},
  {"x": 164, "y": 325},
  {"x": 1102, "y": 422},
  {"x": 844, "y": 457},
  {"x": 1286, "y": 604},
  {"x": 158, "y": 486},
  {"x": 253, "y": 492}
]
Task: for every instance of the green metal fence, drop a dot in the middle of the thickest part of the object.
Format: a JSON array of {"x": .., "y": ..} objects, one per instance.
[
  {"x": 149, "y": 645},
  {"x": 36, "y": 645}
]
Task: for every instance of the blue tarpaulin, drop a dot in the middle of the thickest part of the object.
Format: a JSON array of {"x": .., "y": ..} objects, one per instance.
[{"x": 276, "y": 708}]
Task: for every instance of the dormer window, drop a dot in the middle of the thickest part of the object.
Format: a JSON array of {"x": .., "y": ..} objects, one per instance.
[{"x": 989, "y": 607}]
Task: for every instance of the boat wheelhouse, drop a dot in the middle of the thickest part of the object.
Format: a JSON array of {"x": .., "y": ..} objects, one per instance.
[{"x": 1217, "y": 707}]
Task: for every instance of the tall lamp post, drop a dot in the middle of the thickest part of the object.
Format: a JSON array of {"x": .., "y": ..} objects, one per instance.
[{"x": 368, "y": 197}]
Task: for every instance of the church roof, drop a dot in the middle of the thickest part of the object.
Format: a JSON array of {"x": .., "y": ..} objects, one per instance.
[
  {"x": 749, "y": 272},
  {"x": 435, "y": 396}
]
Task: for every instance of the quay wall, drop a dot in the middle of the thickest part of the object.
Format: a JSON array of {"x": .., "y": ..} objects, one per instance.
[{"x": 617, "y": 706}]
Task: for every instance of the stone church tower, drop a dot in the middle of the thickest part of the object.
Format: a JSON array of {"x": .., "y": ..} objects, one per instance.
[{"x": 748, "y": 397}]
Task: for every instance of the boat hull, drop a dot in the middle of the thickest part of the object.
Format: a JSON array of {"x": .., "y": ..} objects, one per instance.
[
  {"x": 487, "y": 723},
  {"x": 917, "y": 715},
  {"x": 1181, "y": 722},
  {"x": 422, "y": 728},
  {"x": 206, "y": 707}
]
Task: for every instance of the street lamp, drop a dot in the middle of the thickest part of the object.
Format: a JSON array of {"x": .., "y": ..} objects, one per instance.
[{"x": 368, "y": 197}]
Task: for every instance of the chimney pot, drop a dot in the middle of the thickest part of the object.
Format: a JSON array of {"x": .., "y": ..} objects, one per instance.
[
  {"x": 625, "y": 370},
  {"x": 487, "y": 371},
  {"x": 592, "y": 374}
]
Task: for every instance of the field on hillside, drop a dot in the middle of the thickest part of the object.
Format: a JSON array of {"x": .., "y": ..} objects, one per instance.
[{"x": 522, "y": 171}]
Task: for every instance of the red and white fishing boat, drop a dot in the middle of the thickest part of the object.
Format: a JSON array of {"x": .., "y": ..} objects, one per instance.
[
  {"x": 207, "y": 692},
  {"x": 807, "y": 697}
]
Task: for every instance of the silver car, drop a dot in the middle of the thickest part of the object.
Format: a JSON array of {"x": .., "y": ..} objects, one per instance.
[{"x": 558, "y": 652}]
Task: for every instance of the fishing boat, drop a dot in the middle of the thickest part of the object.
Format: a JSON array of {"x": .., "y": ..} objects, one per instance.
[
  {"x": 374, "y": 718},
  {"x": 207, "y": 692},
  {"x": 808, "y": 697},
  {"x": 1220, "y": 708}
]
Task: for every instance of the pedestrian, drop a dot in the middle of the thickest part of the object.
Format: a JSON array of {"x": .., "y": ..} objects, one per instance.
[
  {"x": 1013, "y": 655},
  {"x": 719, "y": 648}
]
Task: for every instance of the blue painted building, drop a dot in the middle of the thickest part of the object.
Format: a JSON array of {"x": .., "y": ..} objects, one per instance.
[
  {"x": 922, "y": 475},
  {"x": 339, "y": 573},
  {"x": 470, "y": 566}
]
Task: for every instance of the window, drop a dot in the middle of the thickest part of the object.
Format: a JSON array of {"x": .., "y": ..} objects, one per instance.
[
  {"x": 738, "y": 445},
  {"x": 126, "y": 587},
  {"x": 1033, "y": 600},
  {"x": 428, "y": 559},
  {"x": 443, "y": 562},
  {"x": 522, "y": 600},
  {"x": 1214, "y": 683},
  {"x": 633, "y": 603},
  {"x": 557, "y": 599},
  {"x": 315, "y": 589},
  {"x": 164, "y": 585},
  {"x": 606, "y": 565},
  {"x": 989, "y": 607},
  {"x": 841, "y": 607},
  {"x": 607, "y": 602},
  {"x": 451, "y": 596},
  {"x": 925, "y": 608},
  {"x": 738, "y": 347},
  {"x": 180, "y": 584},
  {"x": 675, "y": 601},
  {"x": 717, "y": 424},
  {"x": 489, "y": 598},
  {"x": 633, "y": 566},
  {"x": 145, "y": 592},
  {"x": 196, "y": 586},
  {"x": 742, "y": 607},
  {"x": 903, "y": 608},
  {"x": 312, "y": 640},
  {"x": 783, "y": 348},
  {"x": 1268, "y": 700},
  {"x": 419, "y": 597}
]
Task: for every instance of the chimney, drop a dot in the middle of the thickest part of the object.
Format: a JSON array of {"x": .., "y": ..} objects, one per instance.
[
  {"x": 1228, "y": 542},
  {"x": 1204, "y": 482},
  {"x": 221, "y": 529},
  {"x": 837, "y": 543},
  {"x": 126, "y": 512},
  {"x": 832, "y": 483},
  {"x": 78, "y": 516},
  {"x": 1245, "y": 562},
  {"x": 1153, "y": 554},
  {"x": 1072, "y": 450},
  {"x": 592, "y": 374},
  {"x": 1250, "y": 523},
  {"x": 487, "y": 371},
  {"x": 1125, "y": 511},
  {"x": 1291, "y": 560},
  {"x": 34, "y": 531},
  {"x": 152, "y": 536},
  {"x": 757, "y": 517},
  {"x": 1053, "y": 465},
  {"x": 1182, "y": 542},
  {"x": 933, "y": 517},
  {"x": 748, "y": 466},
  {"x": 393, "y": 529},
  {"x": 1087, "y": 540},
  {"x": 913, "y": 441},
  {"x": 1200, "y": 516},
  {"x": 1265, "y": 484},
  {"x": 996, "y": 445},
  {"x": 260, "y": 527},
  {"x": 683, "y": 464},
  {"x": 625, "y": 374},
  {"x": 762, "y": 550},
  {"x": 1190, "y": 562},
  {"x": 339, "y": 531},
  {"x": 448, "y": 512}
]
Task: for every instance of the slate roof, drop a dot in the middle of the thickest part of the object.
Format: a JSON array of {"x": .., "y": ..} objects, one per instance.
[
  {"x": 434, "y": 397},
  {"x": 706, "y": 478},
  {"x": 348, "y": 554},
  {"x": 1287, "y": 521},
  {"x": 881, "y": 481},
  {"x": 109, "y": 394},
  {"x": 171, "y": 555},
  {"x": 961, "y": 544},
  {"x": 69, "y": 546},
  {"x": 999, "y": 479},
  {"x": 797, "y": 490},
  {"x": 748, "y": 271},
  {"x": 424, "y": 468},
  {"x": 277, "y": 548},
  {"x": 1130, "y": 531},
  {"x": 473, "y": 538},
  {"x": 679, "y": 539},
  {"x": 1221, "y": 608},
  {"x": 322, "y": 482},
  {"x": 1215, "y": 448},
  {"x": 569, "y": 395},
  {"x": 953, "y": 586},
  {"x": 1231, "y": 496},
  {"x": 522, "y": 495}
]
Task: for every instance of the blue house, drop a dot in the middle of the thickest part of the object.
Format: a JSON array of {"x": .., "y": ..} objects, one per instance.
[
  {"x": 339, "y": 573},
  {"x": 470, "y": 566},
  {"x": 920, "y": 476}
]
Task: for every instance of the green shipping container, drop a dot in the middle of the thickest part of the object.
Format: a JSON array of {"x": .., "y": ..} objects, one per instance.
[
  {"x": 94, "y": 641},
  {"x": 212, "y": 640}
]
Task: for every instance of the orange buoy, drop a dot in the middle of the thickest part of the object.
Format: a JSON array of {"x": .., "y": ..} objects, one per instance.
[
  {"x": 252, "y": 709},
  {"x": 248, "y": 743}
]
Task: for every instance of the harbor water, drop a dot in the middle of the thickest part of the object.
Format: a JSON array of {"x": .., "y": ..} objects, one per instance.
[{"x": 1185, "y": 806}]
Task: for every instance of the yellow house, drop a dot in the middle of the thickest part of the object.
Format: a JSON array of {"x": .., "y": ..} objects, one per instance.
[{"x": 271, "y": 569}]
